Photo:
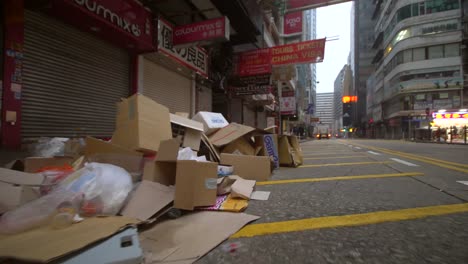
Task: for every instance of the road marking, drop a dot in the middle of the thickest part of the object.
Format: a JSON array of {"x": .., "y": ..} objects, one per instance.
[
  {"x": 339, "y": 157},
  {"x": 357, "y": 147},
  {"x": 374, "y": 153},
  {"x": 405, "y": 162},
  {"x": 349, "y": 220},
  {"x": 434, "y": 162},
  {"x": 463, "y": 182},
  {"x": 326, "y": 153},
  {"x": 344, "y": 164},
  {"x": 341, "y": 178}
]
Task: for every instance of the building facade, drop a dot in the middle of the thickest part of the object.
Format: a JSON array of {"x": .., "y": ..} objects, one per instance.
[
  {"x": 418, "y": 66},
  {"x": 325, "y": 108}
]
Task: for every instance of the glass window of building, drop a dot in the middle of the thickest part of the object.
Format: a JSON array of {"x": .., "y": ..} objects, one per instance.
[
  {"x": 436, "y": 52},
  {"x": 407, "y": 56},
  {"x": 452, "y": 50},
  {"x": 419, "y": 54}
]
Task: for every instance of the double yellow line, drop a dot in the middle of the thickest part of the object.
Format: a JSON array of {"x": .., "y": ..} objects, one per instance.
[{"x": 436, "y": 162}]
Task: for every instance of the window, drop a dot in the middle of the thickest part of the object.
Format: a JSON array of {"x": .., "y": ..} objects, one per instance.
[
  {"x": 415, "y": 9},
  {"x": 399, "y": 58},
  {"x": 407, "y": 56},
  {"x": 452, "y": 50},
  {"x": 436, "y": 52},
  {"x": 404, "y": 13},
  {"x": 422, "y": 9},
  {"x": 419, "y": 54}
]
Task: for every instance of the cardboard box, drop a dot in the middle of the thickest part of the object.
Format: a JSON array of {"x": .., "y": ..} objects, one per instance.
[
  {"x": 249, "y": 167},
  {"x": 141, "y": 124},
  {"x": 105, "y": 152},
  {"x": 196, "y": 182},
  {"x": 17, "y": 188},
  {"x": 33, "y": 164},
  {"x": 268, "y": 146},
  {"x": 190, "y": 131},
  {"x": 74, "y": 147},
  {"x": 240, "y": 145},
  {"x": 229, "y": 134},
  {"x": 211, "y": 121},
  {"x": 289, "y": 155}
]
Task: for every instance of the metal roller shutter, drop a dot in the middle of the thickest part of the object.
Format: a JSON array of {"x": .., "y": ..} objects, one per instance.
[
  {"x": 166, "y": 87},
  {"x": 204, "y": 99},
  {"x": 249, "y": 117},
  {"x": 72, "y": 80}
]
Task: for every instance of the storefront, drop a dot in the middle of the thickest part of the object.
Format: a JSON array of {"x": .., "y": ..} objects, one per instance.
[
  {"x": 69, "y": 63},
  {"x": 450, "y": 126},
  {"x": 168, "y": 76}
]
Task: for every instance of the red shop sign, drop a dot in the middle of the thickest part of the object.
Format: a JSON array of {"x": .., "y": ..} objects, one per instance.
[
  {"x": 254, "y": 62},
  {"x": 203, "y": 32},
  {"x": 293, "y": 23},
  {"x": 123, "y": 22}
]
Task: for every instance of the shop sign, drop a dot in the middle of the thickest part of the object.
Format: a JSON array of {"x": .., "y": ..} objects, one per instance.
[
  {"x": 450, "y": 115},
  {"x": 254, "y": 62},
  {"x": 200, "y": 33},
  {"x": 288, "y": 105},
  {"x": 314, "y": 119},
  {"x": 442, "y": 103},
  {"x": 110, "y": 19},
  {"x": 293, "y": 23},
  {"x": 251, "y": 89},
  {"x": 422, "y": 105},
  {"x": 194, "y": 58},
  {"x": 312, "y": 3}
]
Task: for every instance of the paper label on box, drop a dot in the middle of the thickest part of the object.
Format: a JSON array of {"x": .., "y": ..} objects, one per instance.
[{"x": 211, "y": 183}]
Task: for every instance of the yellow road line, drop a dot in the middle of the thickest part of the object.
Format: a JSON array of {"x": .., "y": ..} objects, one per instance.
[
  {"x": 340, "y": 178},
  {"x": 349, "y": 220},
  {"x": 317, "y": 153},
  {"x": 339, "y": 157},
  {"x": 435, "y": 162},
  {"x": 344, "y": 164}
]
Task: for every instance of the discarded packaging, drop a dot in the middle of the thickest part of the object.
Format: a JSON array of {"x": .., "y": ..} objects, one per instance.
[
  {"x": 290, "y": 153},
  {"x": 227, "y": 203},
  {"x": 260, "y": 195},
  {"x": 242, "y": 188},
  {"x": 45, "y": 244},
  {"x": 189, "y": 131},
  {"x": 225, "y": 170},
  {"x": 33, "y": 164},
  {"x": 268, "y": 145},
  {"x": 141, "y": 124},
  {"x": 240, "y": 145},
  {"x": 229, "y": 134},
  {"x": 148, "y": 199},
  {"x": 49, "y": 147},
  {"x": 249, "y": 167},
  {"x": 211, "y": 121},
  {"x": 191, "y": 236}
]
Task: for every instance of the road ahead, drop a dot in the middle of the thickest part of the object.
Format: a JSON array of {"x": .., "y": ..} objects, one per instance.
[{"x": 360, "y": 201}]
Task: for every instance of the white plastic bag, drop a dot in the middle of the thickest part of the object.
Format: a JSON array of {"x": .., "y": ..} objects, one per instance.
[
  {"x": 105, "y": 188},
  {"x": 49, "y": 147},
  {"x": 96, "y": 189}
]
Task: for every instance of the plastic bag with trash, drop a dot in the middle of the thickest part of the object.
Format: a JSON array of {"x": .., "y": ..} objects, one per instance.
[
  {"x": 49, "y": 147},
  {"x": 97, "y": 189}
]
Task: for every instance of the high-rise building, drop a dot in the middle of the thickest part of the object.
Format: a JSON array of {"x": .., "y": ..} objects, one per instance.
[
  {"x": 418, "y": 65},
  {"x": 362, "y": 54},
  {"x": 325, "y": 108}
]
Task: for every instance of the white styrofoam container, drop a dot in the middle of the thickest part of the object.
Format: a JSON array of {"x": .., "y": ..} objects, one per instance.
[
  {"x": 211, "y": 121},
  {"x": 122, "y": 248}
]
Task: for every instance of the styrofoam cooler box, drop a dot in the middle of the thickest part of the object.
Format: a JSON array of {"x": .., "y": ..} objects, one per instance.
[
  {"x": 211, "y": 121},
  {"x": 122, "y": 248}
]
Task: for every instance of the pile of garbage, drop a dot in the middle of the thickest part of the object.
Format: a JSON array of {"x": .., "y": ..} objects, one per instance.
[{"x": 165, "y": 188}]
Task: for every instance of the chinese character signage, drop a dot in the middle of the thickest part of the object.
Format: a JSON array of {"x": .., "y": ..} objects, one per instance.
[
  {"x": 254, "y": 62},
  {"x": 260, "y": 61},
  {"x": 312, "y": 3},
  {"x": 193, "y": 57},
  {"x": 293, "y": 23},
  {"x": 250, "y": 89},
  {"x": 288, "y": 105},
  {"x": 450, "y": 115},
  {"x": 203, "y": 32}
]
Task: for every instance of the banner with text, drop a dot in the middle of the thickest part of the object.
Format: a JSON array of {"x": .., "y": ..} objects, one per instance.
[
  {"x": 260, "y": 61},
  {"x": 194, "y": 58},
  {"x": 250, "y": 89},
  {"x": 288, "y": 105}
]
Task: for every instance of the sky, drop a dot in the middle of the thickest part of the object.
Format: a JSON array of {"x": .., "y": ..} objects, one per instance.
[{"x": 334, "y": 20}]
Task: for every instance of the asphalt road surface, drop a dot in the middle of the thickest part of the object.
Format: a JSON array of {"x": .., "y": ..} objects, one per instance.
[{"x": 360, "y": 201}]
